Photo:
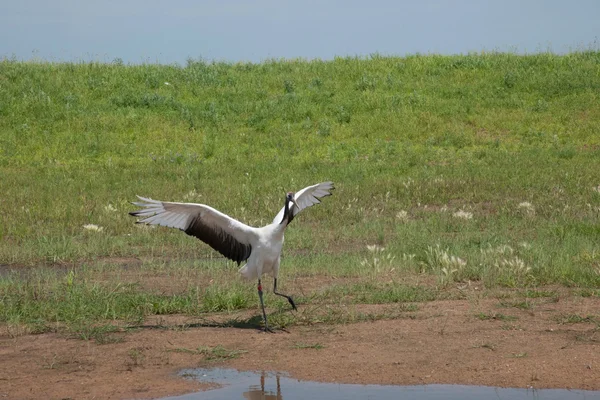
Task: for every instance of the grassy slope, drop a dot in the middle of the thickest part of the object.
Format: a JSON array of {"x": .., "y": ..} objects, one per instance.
[{"x": 408, "y": 141}]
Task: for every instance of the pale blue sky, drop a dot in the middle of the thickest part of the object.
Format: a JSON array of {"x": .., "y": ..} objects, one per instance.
[{"x": 236, "y": 30}]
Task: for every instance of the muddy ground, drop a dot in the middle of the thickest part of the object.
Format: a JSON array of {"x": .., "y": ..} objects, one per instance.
[{"x": 551, "y": 343}]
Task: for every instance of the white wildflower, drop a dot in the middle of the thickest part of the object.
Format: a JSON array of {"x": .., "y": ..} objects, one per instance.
[
  {"x": 109, "y": 208},
  {"x": 402, "y": 215},
  {"x": 527, "y": 207},
  {"x": 463, "y": 214},
  {"x": 373, "y": 248},
  {"x": 167, "y": 83},
  {"x": 525, "y": 245},
  {"x": 377, "y": 211},
  {"x": 145, "y": 226},
  {"x": 448, "y": 266},
  {"x": 454, "y": 260},
  {"x": 379, "y": 259},
  {"x": 192, "y": 195},
  {"x": 515, "y": 266},
  {"x": 438, "y": 258},
  {"x": 93, "y": 227},
  {"x": 501, "y": 249},
  {"x": 408, "y": 257}
]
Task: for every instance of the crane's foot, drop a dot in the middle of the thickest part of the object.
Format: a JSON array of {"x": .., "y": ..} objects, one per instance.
[
  {"x": 266, "y": 329},
  {"x": 291, "y": 300}
]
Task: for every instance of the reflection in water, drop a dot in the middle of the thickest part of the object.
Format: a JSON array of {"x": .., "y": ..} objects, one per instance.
[
  {"x": 259, "y": 393},
  {"x": 269, "y": 386}
]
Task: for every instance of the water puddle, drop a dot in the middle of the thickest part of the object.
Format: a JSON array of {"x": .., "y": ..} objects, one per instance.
[{"x": 273, "y": 386}]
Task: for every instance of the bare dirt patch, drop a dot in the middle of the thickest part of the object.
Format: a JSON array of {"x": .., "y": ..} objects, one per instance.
[{"x": 549, "y": 343}]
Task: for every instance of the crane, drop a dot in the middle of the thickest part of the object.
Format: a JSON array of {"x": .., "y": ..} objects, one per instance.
[{"x": 260, "y": 247}]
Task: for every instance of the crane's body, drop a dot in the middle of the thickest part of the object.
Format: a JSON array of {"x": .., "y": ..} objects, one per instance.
[
  {"x": 266, "y": 258},
  {"x": 260, "y": 247}
]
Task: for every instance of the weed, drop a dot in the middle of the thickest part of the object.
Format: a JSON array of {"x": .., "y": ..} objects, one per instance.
[
  {"x": 51, "y": 364},
  {"x": 576, "y": 319},
  {"x": 324, "y": 128},
  {"x": 316, "y": 346},
  {"x": 495, "y": 316},
  {"x": 136, "y": 357},
  {"x": 539, "y": 293},
  {"x": 519, "y": 355},
  {"x": 589, "y": 293},
  {"x": 183, "y": 350},
  {"x": 102, "y": 334},
  {"x": 511, "y": 327},
  {"x": 520, "y": 304},
  {"x": 488, "y": 346},
  {"x": 219, "y": 353}
]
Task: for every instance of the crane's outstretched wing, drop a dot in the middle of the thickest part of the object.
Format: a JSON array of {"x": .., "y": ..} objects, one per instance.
[
  {"x": 307, "y": 197},
  {"x": 226, "y": 235}
]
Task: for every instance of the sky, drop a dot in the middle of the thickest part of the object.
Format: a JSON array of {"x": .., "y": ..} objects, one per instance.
[{"x": 138, "y": 31}]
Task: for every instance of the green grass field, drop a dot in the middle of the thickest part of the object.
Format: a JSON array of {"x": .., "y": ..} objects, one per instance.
[{"x": 452, "y": 169}]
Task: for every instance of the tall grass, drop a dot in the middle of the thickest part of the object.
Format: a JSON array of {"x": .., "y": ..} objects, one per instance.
[{"x": 492, "y": 159}]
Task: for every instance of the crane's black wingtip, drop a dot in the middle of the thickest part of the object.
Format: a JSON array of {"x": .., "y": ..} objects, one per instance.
[{"x": 136, "y": 214}]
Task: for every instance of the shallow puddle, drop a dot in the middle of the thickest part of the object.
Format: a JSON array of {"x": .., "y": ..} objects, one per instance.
[{"x": 273, "y": 386}]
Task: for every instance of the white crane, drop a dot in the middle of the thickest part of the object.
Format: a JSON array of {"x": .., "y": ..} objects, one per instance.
[{"x": 232, "y": 238}]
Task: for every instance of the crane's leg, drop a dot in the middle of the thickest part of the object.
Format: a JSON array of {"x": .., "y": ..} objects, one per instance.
[
  {"x": 278, "y": 387},
  {"x": 262, "y": 305},
  {"x": 283, "y": 295}
]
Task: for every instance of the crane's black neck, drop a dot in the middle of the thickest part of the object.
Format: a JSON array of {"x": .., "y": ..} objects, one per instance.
[{"x": 288, "y": 214}]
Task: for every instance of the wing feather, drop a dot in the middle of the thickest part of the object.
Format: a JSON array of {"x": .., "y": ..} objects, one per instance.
[
  {"x": 228, "y": 236},
  {"x": 307, "y": 197}
]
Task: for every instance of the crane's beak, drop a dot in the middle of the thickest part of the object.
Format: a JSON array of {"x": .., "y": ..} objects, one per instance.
[{"x": 296, "y": 204}]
